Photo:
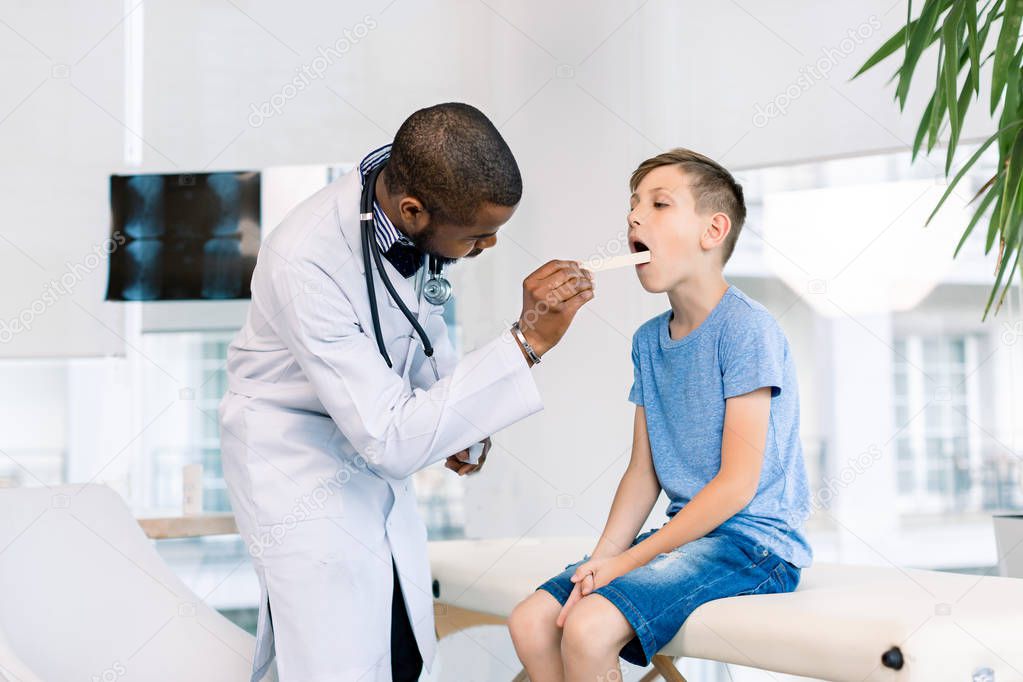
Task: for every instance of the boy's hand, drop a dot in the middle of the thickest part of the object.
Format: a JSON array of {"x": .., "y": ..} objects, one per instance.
[
  {"x": 569, "y": 603},
  {"x": 593, "y": 574},
  {"x": 459, "y": 464},
  {"x": 599, "y": 572}
]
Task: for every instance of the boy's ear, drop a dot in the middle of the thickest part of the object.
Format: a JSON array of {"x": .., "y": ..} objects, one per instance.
[{"x": 718, "y": 228}]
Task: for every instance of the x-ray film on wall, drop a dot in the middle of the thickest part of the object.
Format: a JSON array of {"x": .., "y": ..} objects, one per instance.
[{"x": 183, "y": 236}]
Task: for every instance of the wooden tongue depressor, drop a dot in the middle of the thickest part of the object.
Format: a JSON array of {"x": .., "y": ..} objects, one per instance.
[{"x": 600, "y": 264}]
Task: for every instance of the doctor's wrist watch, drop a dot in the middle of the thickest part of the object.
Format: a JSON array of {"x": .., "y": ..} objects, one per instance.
[{"x": 521, "y": 338}]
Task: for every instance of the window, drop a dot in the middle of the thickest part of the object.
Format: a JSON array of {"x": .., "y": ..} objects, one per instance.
[
  {"x": 183, "y": 431},
  {"x": 184, "y": 436},
  {"x": 33, "y": 422},
  {"x": 946, "y": 460},
  {"x": 440, "y": 492},
  {"x": 909, "y": 399},
  {"x": 214, "y": 384}
]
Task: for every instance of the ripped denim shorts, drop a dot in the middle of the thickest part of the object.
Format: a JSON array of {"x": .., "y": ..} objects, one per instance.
[{"x": 656, "y": 598}]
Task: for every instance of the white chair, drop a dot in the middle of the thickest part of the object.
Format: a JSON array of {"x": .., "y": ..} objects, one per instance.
[
  {"x": 84, "y": 595},
  {"x": 12, "y": 668},
  {"x": 854, "y": 623}
]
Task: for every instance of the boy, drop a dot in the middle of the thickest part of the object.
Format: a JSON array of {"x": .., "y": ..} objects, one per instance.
[{"x": 716, "y": 427}]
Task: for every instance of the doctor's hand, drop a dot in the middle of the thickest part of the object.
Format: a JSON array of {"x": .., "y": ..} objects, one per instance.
[
  {"x": 551, "y": 296},
  {"x": 459, "y": 463}
]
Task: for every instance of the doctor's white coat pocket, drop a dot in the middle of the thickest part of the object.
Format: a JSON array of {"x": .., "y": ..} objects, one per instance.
[{"x": 293, "y": 471}]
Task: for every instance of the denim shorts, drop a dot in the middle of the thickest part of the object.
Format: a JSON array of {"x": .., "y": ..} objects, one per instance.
[{"x": 656, "y": 598}]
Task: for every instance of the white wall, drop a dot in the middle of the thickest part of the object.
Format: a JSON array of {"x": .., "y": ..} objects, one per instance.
[
  {"x": 645, "y": 75},
  {"x": 61, "y": 133},
  {"x": 582, "y": 91}
]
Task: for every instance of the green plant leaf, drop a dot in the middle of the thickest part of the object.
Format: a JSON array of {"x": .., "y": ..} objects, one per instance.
[
  {"x": 998, "y": 279},
  {"x": 993, "y": 185},
  {"x": 965, "y": 97},
  {"x": 969, "y": 164},
  {"x": 1010, "y": 109},
  {"x": 1008, "y": 283},
  {"x": 1012, "y": 175},
  {"x": 921, "y": 129},
  {"x": 1010, "y": 228},
  {"x": 886, "y": 50},
  {"x": 968, "y": 89},
  {"x": 992, "y": 226},
  {"x": 973, "y": 44},
  {"x": 1005, "y": 49},
  {"x": 962, "y": 36},
  {"x": 949, "y": 70},
  {"x": 940, "y": 106},
  {"x": 921, "y": 35}
]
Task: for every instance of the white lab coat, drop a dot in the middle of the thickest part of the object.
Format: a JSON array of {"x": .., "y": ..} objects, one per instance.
[{"x": 319, "y": 438}]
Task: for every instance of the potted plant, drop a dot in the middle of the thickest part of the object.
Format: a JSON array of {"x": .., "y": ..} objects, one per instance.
[{"x": 971, "y": 36}]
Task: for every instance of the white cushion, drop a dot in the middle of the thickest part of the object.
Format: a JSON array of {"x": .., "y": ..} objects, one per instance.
[
  {"x": 85, "y": 595},
  {"x": 835, "y": 626}
]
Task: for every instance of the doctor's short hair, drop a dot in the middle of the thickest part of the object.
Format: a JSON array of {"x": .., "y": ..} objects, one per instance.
[
  {"x": 452, "y": 158},
  {"x": 712, "y": 186}
]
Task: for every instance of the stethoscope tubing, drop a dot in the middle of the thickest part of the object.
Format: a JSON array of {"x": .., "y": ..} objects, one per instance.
[{"x": 371, "y": 248}]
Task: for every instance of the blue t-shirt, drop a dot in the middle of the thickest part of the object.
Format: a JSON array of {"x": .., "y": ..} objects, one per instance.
[{"x": 682, "y": 385}]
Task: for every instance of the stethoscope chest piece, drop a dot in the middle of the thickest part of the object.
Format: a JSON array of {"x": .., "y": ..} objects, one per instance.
[{"x": 437, "y": 289}]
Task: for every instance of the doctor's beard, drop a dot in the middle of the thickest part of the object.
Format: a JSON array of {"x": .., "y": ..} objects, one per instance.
[{"x": 425, "y": 242}]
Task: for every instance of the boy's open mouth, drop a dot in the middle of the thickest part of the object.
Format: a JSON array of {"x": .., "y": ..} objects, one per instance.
[{"x": 639, "y": 247}]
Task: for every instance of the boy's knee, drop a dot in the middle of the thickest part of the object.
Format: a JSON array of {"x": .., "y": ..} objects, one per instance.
[
  {"x": 584, "y": 633},
  {"x": 593, "y": 627},
  {"x": 525, "y": 622},
  {"x": 519, "y": 620},
  {"x": 581, "y": 636}
]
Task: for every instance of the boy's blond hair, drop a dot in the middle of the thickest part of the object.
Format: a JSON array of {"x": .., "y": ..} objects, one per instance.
[{"x": 713, "y": 188}]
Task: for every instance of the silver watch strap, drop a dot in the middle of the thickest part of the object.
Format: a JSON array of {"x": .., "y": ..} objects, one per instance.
[{"x": 517, "y": 330}]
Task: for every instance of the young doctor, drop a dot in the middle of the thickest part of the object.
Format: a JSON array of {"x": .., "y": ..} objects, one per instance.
[{"x": 342, "y": 384}]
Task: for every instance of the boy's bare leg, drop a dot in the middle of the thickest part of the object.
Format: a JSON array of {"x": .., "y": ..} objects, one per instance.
[
  {"x": 595, "y": 633},
  {"x": 537, "y": 637}
]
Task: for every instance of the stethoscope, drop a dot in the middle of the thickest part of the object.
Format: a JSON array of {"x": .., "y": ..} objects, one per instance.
[{"x": 437, "y": 290}]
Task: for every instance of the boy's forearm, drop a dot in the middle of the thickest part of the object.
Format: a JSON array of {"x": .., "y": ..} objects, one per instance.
[
  {"x": 636, "y": 495},
  {"x": 717, "y": 502}
]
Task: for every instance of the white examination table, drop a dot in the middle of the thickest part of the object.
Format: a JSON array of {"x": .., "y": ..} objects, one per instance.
[
  {"x": 842, "y": 623},
  {"x": 84, "y": 594}
]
